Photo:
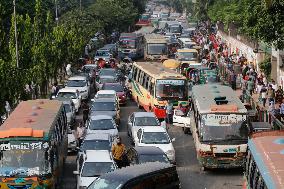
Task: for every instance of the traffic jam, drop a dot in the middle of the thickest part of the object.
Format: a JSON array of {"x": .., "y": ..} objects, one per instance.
[{"x": 163, "y": 70}]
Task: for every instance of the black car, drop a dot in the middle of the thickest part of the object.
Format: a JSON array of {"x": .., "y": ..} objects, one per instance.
[
  {"x": 146, "y": 175},
  {"x": 144, "y": 154}
]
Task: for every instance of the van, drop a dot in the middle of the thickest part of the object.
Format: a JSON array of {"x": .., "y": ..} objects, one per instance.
[{"x": 154, "y": 175}]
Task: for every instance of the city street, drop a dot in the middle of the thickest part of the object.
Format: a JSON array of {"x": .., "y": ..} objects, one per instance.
[{"x": 191, "y": 176}]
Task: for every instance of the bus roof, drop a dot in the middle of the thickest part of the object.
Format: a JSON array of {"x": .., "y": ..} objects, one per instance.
[
  {"x": 32, "y": 118},
  {"x": 129, "y": 35},
  {"x": 157, "y": 70},
  {"x": 207, "y": 97},
  {"x": 155, "y": 38},
  {"x": 146, "y": 30},
  {"x": 267, "y": 149}
]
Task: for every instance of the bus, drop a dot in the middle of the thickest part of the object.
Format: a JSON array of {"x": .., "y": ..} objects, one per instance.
[
  {"x": 33, "y": 142},
  {"x": 186, "y": 57},
  {"x": 186, "y": 43},
  {"x": 219, "y": 126},
  {"x": 264, "y": 165},
  {"x": 152, "y": 85},
  {"x": 155, "y": 47},
  {"x": 131, "y": 44}
]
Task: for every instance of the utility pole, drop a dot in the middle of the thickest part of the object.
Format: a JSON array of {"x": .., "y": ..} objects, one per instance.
[
  {"x": 56, "y": 12},
  {"x": 16, "y": 35}
]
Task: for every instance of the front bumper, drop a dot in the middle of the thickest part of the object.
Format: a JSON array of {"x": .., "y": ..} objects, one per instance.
[{"x": 223, "y": 163}]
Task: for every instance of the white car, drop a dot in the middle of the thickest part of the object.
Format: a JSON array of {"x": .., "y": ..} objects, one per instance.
[
  {"x": 107, "y": 94},
  {"x": 102, "y": 124},
  {"x": 156, "y": 136},
  {"x": 93, "y": 164},
  {"x": 181, "y": 120},
  {"x": 81, "y": 84},
  {"x": 139, "y": 120},
  {"x": 70, "y": 93}
]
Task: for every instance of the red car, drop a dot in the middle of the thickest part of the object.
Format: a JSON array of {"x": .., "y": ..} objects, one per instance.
[{"x": 118, "y": 88}]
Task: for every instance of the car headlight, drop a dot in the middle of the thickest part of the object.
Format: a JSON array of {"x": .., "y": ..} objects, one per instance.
[{"x": 170, "y": 152}]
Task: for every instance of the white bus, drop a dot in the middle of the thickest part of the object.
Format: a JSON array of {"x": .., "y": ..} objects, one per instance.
[{"x": 219, "y": 126}]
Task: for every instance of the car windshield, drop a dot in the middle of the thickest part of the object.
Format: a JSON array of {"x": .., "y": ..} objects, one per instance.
[
  {"x": 107, "y": 72},
  {"x": 155, "y": 138},
  {"x": 153, "y": 158},
  {"x": 187, "y": 56},
  {"x": 107, "y": 80},
  {"x": 102, "y": 53},
  {"x": 171, "y": 90},
  {"x": 157, "y": 49},
  {"x": 67, "y": 95},
  {"x": 24, "y": 159},
  {"x": 96, "y": 169},
  {"x": 102, "y": 124},
  {"x": 110, "y": 183},
  {"x": 175, "y": 29},
  {"x": 223, "y": 128},
  {"x": 127, "y": 43},
  {"x": 103, "y": 106},
  {"x": 105, "y": 95},
  {"x": 146, "y": 121},
  {"x": 76, "y": 83},
  {"x": 115, "y": 87},
  {"x": 67, "y": 108},
  {"x": 95, "y": 145}
]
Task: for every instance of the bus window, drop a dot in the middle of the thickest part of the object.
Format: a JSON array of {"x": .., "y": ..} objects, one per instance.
[
  {"x": 134, "y": 73},
  {"x": 138, "y": 75},
  {"x": 151, "y": 88}
]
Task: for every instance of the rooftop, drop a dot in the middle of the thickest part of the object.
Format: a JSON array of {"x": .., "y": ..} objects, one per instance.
[{"x": 144, "y": 114}]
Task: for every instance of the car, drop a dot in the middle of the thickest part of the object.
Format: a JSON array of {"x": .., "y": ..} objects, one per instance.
[
  {"x": 143, "y": 154},
  {"x": 95, "y": 141},
  {"x": 118, "y": 88},
  {"x": 104, "y": 54},
  {"x": 102, "y": 124},
  {"x": 140, "y": 119},
  {"x": 88, "y": 68},
  {"x": 105, "y": 79},
  {"x": 106, "y": 106},
  {"x": 70, "y": 93},
  {"x": 107, "y": 94},
  {"x": 144, "y": 176},
  {"x": 156, "y": 136},
  {"x": 81, "y": 84},
  {"x": 108, "y": 72},
  {"x": 180, "y": 119},
  {"x": 92, "y": 165}
]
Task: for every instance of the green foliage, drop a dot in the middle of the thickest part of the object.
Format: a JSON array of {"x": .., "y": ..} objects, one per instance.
[{"x": 265, "y": 66}]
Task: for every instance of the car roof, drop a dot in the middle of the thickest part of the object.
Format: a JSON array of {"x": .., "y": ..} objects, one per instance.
[
  {"x": 100, "y": 117},
  {"x": 133, "y": 171},
  {"x": 107, "y": 69},
  {"x": 116, "y": 83},
  {"x": 144, "y": 114},
  {"x": 98, "y": 156},
  {"x": 106, "y": 92},
  {"x": 154, "y": 129},
  {"x": 77, "y": 78},
  {"x": 96, "y": 136},
  {"x": 105, "y": 100},
  {"x": 107, "y": 76},
  {"x": 148, "y": 150},
  {"x": 67, "y": 89}
]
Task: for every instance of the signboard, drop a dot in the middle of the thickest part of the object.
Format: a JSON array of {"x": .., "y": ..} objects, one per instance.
[
  {"x": 222, "y": 119},
  {"x": 170, "y": 82},
  {"x": 24, "y": 146}
]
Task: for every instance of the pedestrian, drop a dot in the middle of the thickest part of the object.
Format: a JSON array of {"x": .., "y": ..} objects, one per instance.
[
  {"x": 282, "y": 109},
  {"x": 264, "y": 80},
  {"x": 54, "y": 90},
  {"x": 273, "y": 85},
  {"x": 270, "y": 94},
  {"x": 86, "y": 110},
  {"x": 250, "y": 86},
  {"x": 118, "y": 151},
  {"x": 68, "y": 70},
  {"x": 263, "y": 95},
  {"x": 8, "y": 109},
  {"x": 80, "y": 134},
  {"x": 169, "y": 112},
  {"x": 234, "y": 80},
  {"x": 271, "y": 108}
]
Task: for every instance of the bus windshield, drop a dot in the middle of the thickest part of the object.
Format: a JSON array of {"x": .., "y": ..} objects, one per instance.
[
  {"x": 157, "y": 49},
  {"x": 171, "y": 89},
  {"x": 24, "y": 159},
  {"x": 224, "y": 127},
  {"x": 127, "y": 43}
]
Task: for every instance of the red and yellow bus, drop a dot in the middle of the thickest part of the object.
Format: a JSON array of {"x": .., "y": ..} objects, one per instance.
[
  {"x": 153, "y": 85},
  {"x": 265, "y": 161},
  {"x": 33, "y": 142}
]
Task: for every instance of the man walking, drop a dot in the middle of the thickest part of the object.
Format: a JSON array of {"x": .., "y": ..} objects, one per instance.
[
  {"x": 86, "y": 110},
  {"x": 118, "y": 151},
  {"x": 169, "y": 112}
]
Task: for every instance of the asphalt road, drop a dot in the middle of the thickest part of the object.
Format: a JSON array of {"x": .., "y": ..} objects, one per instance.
[{"x": 190, "y": 173}]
